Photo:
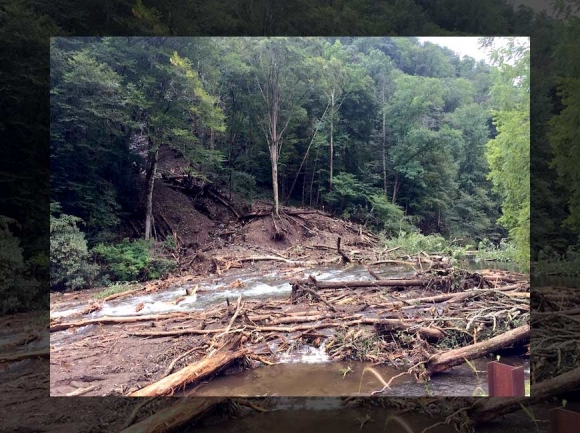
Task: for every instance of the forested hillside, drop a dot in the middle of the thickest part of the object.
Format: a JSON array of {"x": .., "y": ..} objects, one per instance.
[{"x": 391, "y": 133}]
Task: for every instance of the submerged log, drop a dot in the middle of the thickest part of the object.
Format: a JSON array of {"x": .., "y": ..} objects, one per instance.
[
  {"x": 175, "y": 416},
  {"x": 194, "y": 372},
  {"x": 446, "y": 360}
]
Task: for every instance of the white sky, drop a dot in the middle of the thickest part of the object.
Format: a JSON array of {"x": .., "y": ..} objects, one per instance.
[{"x": 467, "y": 45}]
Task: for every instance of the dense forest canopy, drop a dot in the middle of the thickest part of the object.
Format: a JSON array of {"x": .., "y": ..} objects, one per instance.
[{"x": 386, "y": 131}]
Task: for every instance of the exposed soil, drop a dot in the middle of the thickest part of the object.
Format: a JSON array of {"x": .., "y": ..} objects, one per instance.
[{"x": 206, "y": 222}]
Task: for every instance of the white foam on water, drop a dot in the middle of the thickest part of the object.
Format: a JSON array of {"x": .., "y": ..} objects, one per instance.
[
  {"x": 323, "y": 275},
  {"x": 64, "y": 313},
  {"x": 150, "y": 306},
  {"x": 305, "y": 355},
  {"x": 264, "y": 289}
]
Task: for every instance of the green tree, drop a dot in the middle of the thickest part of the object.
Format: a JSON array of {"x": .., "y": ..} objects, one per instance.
[
  {"x": 276, "y": 71},
  {"x": 509, "y": 152},
  {"x": 70, "y": 267}
]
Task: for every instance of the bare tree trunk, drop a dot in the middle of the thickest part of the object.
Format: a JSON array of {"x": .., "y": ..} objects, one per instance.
[
  {"x": 331, "y": 141},
  {"x": 395, "y": 188},
  {"x": 384, "y": 153},
  {"x": 313, "y": 175},
  {"x": 274, "y": 159},
  {"x": 150, "y": 184}
]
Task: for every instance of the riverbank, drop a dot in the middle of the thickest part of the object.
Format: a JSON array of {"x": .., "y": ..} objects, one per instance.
[{"x": 267, "y": 315}]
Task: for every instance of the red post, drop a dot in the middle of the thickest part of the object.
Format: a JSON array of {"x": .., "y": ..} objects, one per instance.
[
  {"x": 564, "y": 421},
  {"x": 505, "y": 381}
]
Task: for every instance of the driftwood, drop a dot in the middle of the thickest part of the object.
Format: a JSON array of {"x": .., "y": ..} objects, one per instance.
[
  {"x": 194, "y": 372},
  {"x": 176, "y": 332},
  {"x": 21, "y": 356},
  {"x": 444, "y": 361},
  {"x": 427, "y": 332},
  {"x": 109, "y": 320},
  {"x": 82, "y": 391},
  {"x": 345, "y": 258},
  {"x": 374, "y": 283},
  {"x": 175, "y": 416}
]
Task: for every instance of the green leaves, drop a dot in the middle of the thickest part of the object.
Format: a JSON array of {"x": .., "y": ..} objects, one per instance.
[
  {"x": 132, "y": 260},
  {"x": 508, "y": 153},
  {"x": 70, "y": 267}
]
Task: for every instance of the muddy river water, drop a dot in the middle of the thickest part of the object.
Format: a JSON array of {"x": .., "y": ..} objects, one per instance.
[{"x": 306, "y": 371}]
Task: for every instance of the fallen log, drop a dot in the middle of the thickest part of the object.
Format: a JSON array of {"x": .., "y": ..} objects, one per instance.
[
  {"x": 445, "y": 297},
  {"x": 109, "y": 320},
  {"x": 374, "y": 283},
  {"x": 393, "y": 262},
  {"x": 176, "y": 332},
  {"x": 81, "y": 391},
  {"x": 122, "y": 294},
  {"x": 175, "y": 416},
  {"x": 427, "y": 332},
  {"x": 21, "y": 356},
  {"x": 194, "y": 372},
  {"x": 263, "y": 258},
  {"x": 446, "y": 360}
]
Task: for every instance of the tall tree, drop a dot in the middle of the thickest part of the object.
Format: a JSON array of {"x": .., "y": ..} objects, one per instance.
[
  {"x": 508, "y": 153},
  {"x": 276, "y": 71}
]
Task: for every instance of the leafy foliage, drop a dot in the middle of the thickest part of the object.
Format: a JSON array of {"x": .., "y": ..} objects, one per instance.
[
  {"x": 69, "y": 256},
  {"x": 509, "y": 152},
  {"x": 365, "y": 204},
  {"x": 132, "y": 261}
]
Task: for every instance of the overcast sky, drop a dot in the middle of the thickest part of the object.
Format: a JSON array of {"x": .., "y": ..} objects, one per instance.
[{"x": 467, "y": 45}]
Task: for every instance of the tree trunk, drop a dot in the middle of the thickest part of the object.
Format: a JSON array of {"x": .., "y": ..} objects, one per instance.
[
  {"x": 150, "y": 184},
  {"x": 384, "y": 153},
  {"x": 195, "y": 372},
  {"x": 449, "y": 359},
  {"x": 313, "y": 175},
  {"x": 395, "y": 188},
  {"x": 331, "y": 141},
  {"x": 274, "y": 159}
]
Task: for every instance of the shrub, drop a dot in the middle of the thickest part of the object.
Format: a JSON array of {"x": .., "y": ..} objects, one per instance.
[
  {"x": 132, "y": 261},
  {"x": 69, "y": 256},
  {"x": 414, "y": 242},
  {"x": 365, "y": 204},
  {"x": 16, "y": 291}
]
